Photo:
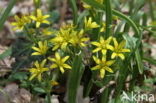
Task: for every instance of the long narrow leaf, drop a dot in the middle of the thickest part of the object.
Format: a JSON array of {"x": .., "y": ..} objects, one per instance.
[
  {"x": 6, "y": 13},
  {"x": 74, "y": 78}
]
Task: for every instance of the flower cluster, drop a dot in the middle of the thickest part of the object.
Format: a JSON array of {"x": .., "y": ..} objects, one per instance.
[
  {"x": 69, "y": 37},
  {"x": 64, "y": 41},
  {"x": 103, "y": 46},
  {"x": 39, "y": 18}
]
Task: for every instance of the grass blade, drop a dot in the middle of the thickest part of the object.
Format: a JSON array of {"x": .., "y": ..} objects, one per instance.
[
  {"x": 74, "y": 78},
  {"x": 74, "y": 9},
  {"x": 108, "y": 18},
  {"x": 6, "y": 13},
  {"x": 7, "y": 53}
]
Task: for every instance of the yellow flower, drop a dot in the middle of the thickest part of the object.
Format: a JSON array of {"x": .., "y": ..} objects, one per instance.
[
  {"x": 78, "y": 39},
  {"x": 118, "y": 49},
  {"x": 42, "y": 48},
  {"x": 89, "y": 24},
  {"x": 20, "y": 22},
  {"x": 38, "y": 70},
  {"x": 103, "y": 65},
  {"x": 102, "y": 45},
  {"x": 39, "y": 18},
  {"x": 59, "y": 62},
  {"x": 62, "y": 39}
]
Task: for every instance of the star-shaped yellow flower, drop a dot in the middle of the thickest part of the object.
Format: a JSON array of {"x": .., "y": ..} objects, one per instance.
[
  {"x": 103, "y": 65},
  {"x": 102, "y": 45},
  {"x": 78, "y": 39},
  {"x": 89, "y": 24},
  {"x": 38, "y": 70},
  {"x": 20, "y": 22},
  {"x": 118, "y": 49},
  {"x": 59, "y": 62},
  {"x": 42, "y": 48},
  {"x": 39, "y": 18}
]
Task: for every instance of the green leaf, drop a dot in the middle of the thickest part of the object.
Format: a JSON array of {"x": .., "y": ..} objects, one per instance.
[
  {"x": 6, "y": 12},
  {"x": 19, "y": 76},
  {"x": 108, "y": 18},
  {"x": 39, "y": 90},
  {"x": 5, "y": 54},
  {"x": 139, "y": 61},
  {"x": 75, "y": 11},
  {"x": 82, "y": 15},
  {"x": 54, "y": 16},
  {"x": 131, "y": 41},
  {"x": 150, "y": 60},
  {"x": 75, "y": 78}
]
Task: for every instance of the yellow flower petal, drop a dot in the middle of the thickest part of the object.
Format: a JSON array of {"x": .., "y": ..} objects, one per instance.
[
  {"x": 38, "y": 24},
  {"x": 121, "y": 56},
  {"x": 110, "y": 47},
  {"x": 125, "y": 50},
  {"x": 109, "y": 69},
  {"x": 113, "y": 55},
  {"x": 101, "y": 39},
  {"x": 109, "y": 39},
  {"x": 95, "y": 68},
  {"x": 66, "y": 66},
  {"x": 53, "y": 66},
  {"x": 96, "y": 60},
  {"x": 109, "y": 63},
  {"x": 115, "y": 42},
  {"x": 44, "y": 69},
  {"x": 102, "y": 73},
  {"x": 61, "y": 69},
  {"x": 39, "y": 77},
  {"x": 32, "y": 70},
  {"x": 96, "y": 50},
  {"x": 43, "y": 62},
  {"x": 46, "y": 16},
  {"x": 95, "y": 43},
  {"x": 39, "y": 13},
  {"x": 94, "y": 25},
  {"x": 65, "y": 59},
  {"x": 46, "y": 22},
  {"x": 57, "y": 56},
  {"x": 104, "y": 51},
  {"x": 33, "y": 18},
  {"x": 37, "y": 49},
  {"x": 32, "y": 77},
  {"x": 36, "y": 53},
  {"x": 37, "y": 64}
]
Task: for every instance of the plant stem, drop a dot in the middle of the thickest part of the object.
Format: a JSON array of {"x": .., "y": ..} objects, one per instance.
[
  {"x": 49, "y": 97},
  {"x": 37, "y": 3},
  {"x": 108, "y": 18}
]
